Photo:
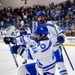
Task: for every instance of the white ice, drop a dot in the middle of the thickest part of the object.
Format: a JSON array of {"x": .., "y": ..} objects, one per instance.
[{"x": 8, "y": 67}]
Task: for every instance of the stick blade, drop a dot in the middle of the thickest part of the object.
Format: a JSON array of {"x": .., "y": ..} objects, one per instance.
[{"x": 12, "y": 28}]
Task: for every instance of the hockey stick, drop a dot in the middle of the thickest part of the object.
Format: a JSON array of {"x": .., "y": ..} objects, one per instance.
[
  {"x": 64, "y": 50},
  {"x": 14, "y": 57},
  {"x": 12, "y": 28}
]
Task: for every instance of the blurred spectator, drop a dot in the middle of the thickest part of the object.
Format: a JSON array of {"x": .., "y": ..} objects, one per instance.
[
  {"x": 1, "y": 24},
  {"x": 73, "y": 29},
  {"x": 71, "y": 32}
]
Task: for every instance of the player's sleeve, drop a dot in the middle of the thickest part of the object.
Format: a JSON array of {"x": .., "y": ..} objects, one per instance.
[
  {"x": 53, "y": 28},
  {"x": 29, "y": 40}
]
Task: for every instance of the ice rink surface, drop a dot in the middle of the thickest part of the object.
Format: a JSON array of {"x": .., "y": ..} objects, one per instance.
[{"x": 8, "y": 67}]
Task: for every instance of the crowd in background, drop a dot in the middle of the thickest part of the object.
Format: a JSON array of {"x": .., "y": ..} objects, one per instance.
[{"x": 63, "y": 13}]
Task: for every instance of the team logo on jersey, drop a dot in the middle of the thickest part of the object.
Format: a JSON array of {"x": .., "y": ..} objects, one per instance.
[{"x": 42, "y": 46}]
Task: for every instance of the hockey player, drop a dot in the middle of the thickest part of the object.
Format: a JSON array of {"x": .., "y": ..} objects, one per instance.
[
  {"x": 16, "y": 41},
  {"x": 19, "y": 47},
  {"x": 54, "y": 38},
  {"x": 26, "y": 25},
  {"x": 42, "y": 52}
]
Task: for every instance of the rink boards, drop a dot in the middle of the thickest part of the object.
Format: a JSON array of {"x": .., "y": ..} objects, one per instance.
[{"x": 69, "y": 41}]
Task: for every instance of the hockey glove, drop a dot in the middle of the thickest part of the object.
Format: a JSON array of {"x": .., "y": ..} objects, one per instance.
[
  {"x": 6, "y": 40},
  {"x": 18, "y": 49},
  {"x": 60, "y": 39}
]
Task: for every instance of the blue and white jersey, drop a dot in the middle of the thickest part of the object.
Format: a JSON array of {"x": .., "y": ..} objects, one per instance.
[
  {"x": 52, "y": 30},
  {"x": 43, "y": 53},
  {"x": 53, "y": 34},
  {"x": 16, "y": 32},
  {"x": 25, "y": 39},
  {"x": 19, "y": 40},
  {"x": 22, "y": 40},
  {"x": 3, "y": 33},
  {"x": 28, "y": 30},
  {"x": 58, "y": 14}
]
